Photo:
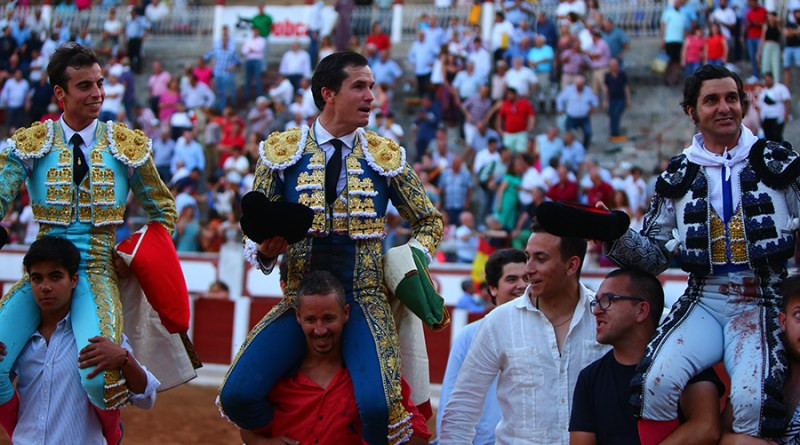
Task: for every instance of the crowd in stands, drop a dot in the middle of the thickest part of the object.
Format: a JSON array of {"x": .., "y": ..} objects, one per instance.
[{"x": 473, "y": 138}]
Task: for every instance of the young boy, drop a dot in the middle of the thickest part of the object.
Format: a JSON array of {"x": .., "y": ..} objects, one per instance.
[{"x": 46, "y": 371}]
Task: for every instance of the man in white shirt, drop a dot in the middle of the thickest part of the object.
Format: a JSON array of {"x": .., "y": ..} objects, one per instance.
[
  {"x": 531, "y": 179},
  {"x": 725, "y": 16},
  {"x": 253, "y": 53},
  {"x": 775, "y": 104},
  {"x": 521, "y": 78},
  {"x": 481, "y": 58},
  {"x": 115, "y": 91},
  {"x": 468, "y": 82},
  {"x": 283, "y": 91},
  {"x": 12, "y": 98},
  {"x": 295, "y": 65},
  {"x": 196, "y": 94},
  {"x": 52, "y": 406},
  {"x": 501, "y": 35},
  {"x": 536, "y": 346}
]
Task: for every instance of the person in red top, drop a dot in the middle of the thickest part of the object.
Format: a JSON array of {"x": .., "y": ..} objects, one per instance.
[
  {"x": 564, "y": 189},
  {"x": 754, "y": 31},
  {"x": 378, "y": 38},
  {"x": 515, "y": 120},
  {"x": 316, "y": 404},
  {"x": 716, "y": 46},
  {"x": 600, "y": 191}
]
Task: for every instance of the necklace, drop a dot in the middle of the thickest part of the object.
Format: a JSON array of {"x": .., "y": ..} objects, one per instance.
[{"x": 562, "y": 323}]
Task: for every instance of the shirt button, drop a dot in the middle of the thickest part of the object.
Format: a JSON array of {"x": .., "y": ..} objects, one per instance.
[
  {"x": 320, "y": 417},
  {"x": 563, "y": 400},
  {"x": 563, "y": 371}
]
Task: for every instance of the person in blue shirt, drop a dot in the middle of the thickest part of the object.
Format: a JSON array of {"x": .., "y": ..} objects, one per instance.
[{"x": 505, "y": 276}]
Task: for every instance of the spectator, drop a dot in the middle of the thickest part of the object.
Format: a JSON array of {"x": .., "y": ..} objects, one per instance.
[
  {"x": 115, "y": 91},
  {"x": 521, "y": 78},
  {"x": 476, "y": 111},
  {"x": 8, "y": 46},
  {"x": 616, "y": 97},
  {"x": 635, "y": 188},
  {"x": 385, "y": 70},
  {"x": 694, "y": 50},
  {"x": 546, "y": 27},
  {"x": 180, "y": 121},
  {"x": 573, "y": 62},
  {"x": 498, "y": 81},
  {"x": 378, "y": 38},
  {"x": 113, "y": 28},
  {"x": 774, "y": 102},
  {"x": 529, "y": 334},
  {"x": 515, "y": 119},
  {"x": 283, "y": 91},
  {"x": 422, "y": 57},
  {"x": 600, "y": 56},
  {"x": 506, "y": 280},
  {"x": 540, "y": 58},
  {"x": 573, "y": 153},
  {"x": 39, "y": 99},
  {"x": 163, "y": 150},
  {"x": 769, "y": 50},
  {"x": 564, "y": 189},
  {"x": 253, "y": 52},
  {"x": 391, "y": 129},
  {"x": 196, "y": 95},
  {"x": 168, "y": 101},
  {"x": 716, "y": 46},
  {"x": 616, "y": 39},
  {"x": 507, "y": 200},
  {"x": 627, "y": 309},
  {"x": 673, "y": 26},
  {"x": 502, "y": 30},
  {"x": 187, "y": 231},
  {"x": 105, "y": 48},
  {"x": 601, "y": 191},
  {"x": 481, "y": 57},
  {"x": 157, "y": 83},
  {"x": 467, "y": 83},
  {"x": 576, "y": 7},
  {"x": 135, "y": 30},
  {"x": 156, "y": 12},
  {"x": 259, "y": 117},
  {"x": 189, "y": 152},
  {"x": 725, "y": 17},
  {"x": 466, "y": 238},
  {"x": 481, "y": 138},
  {"x": 12, "y": 99},
  {"x": 755, "y": 24},
  {"x": 37, "y": 24},
  {"x": 531, "y": 179},
  {"x": 202, "y": 72},
  {"x": 488, "y": 168},
  {"x": 226, "y": 61},
  {"x": 263, "y": 23},
  {"x": 218, "y": 290},
  {"x": 456, "y": 186},
  {"x": 791, "y": 53},
  {"x": 295, "y": 65},
  {"x": 578, "y": 103},
  {"x": 426, "y": 122},
  {"x": 548, "y": 146}
]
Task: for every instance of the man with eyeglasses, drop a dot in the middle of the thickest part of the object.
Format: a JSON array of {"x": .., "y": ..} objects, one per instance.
[
  {"x": 535, "y": 346},
  {"x": 627, "y": 308}
]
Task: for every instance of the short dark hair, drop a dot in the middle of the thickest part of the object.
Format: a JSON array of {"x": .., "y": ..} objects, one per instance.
[
  {"x": 693, "y": 84},
  {"x": 570, "y": 245},
  {"x": 790, "y": 289},
  {"x": 330, "y": 73},
  {"x": 55, "y": 249},
  {"x": 496, "y": 263},
  {"x": 320, "y": 282},
  {"x": 647, "y": 286},
  {"x": 68, "y": 55}
]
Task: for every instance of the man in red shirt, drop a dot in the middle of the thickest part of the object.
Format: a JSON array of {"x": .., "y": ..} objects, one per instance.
[
  {"x": 600, "y": 191},
  {"x": 316, "y": 404},
  {"x": 565, "y": 189},
  {"x": 515, "y": 120},
  {"x": 755, "y": 19},
  {"x": 378, "y": 38}
]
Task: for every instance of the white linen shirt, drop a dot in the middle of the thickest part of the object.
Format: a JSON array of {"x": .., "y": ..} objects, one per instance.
[{"x": 517, "y": 343}]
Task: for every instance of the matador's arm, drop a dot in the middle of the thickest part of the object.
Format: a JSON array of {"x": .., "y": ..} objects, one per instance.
[{"x": 408, "y": 195}]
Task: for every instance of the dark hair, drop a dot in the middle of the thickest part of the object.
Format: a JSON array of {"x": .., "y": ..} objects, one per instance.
[
  {"x": 57, "y": 250},
  {"x": 645, "y": 285},
  {"x": 570, "y": 245},
  {"x": 790, "y": 289},
  {"x": 496, "y": 263},
  {"x": 330, "y": 73},
  {"x": 693, "y": 84},
  {"x": 69, "y": 55},
  {"x": 320, "y": 282}
]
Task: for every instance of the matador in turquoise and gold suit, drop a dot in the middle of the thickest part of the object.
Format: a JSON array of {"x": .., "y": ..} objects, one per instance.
[
  {"x": 346, "y": 239},
  {"x": 119, "y": 161}
]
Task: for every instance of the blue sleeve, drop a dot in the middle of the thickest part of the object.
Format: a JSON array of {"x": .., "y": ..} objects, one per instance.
[{"x": 458, "y": 352}]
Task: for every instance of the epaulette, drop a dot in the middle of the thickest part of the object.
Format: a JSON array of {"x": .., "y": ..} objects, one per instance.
[
  {"x": 775, "y": 163},
  {"x": 675, "y": 181},
  {"x": 32, "y": 142},
  {"x": 131, "y": 147},
  {"x": 283, "y": 149},
  {"x": 384, "y": 155}
]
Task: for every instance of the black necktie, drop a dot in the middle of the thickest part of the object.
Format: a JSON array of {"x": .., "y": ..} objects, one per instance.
[
  {"x": 332, "y": 171},
  {"x": 79, "y": 167}
]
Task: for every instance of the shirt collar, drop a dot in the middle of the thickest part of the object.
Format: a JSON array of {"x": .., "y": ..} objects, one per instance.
[
  {"x": 87, "y": 134},
  {"x": 699, "y": 154},
  {"x": 585, "y": 296},
  {"x": 323, "y": 136},
  {"x": 65, "y": 322}
]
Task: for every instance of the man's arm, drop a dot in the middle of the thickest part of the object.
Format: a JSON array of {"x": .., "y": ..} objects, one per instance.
[
  {"x": 582, "y": 422},
  {"x": 263, "y": 255},
  {"x": 700, "y": 405},
  {"x": 731, "y": 438},
  {"x": 153, "y": 195},
  {"x": 12, "y": 175},
  {"x": 458, "y": 352},
  {"x": 466, "y": 401},
  {"x": 409, "y": 197}
]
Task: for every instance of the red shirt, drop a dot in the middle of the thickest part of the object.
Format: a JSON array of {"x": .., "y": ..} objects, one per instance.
[
  {"x": 564, "y": 191},
  {"x": 756, "y": 18},
  {"x": 306, "y": 412},
  {"x": 601, "y": 192},
  {"x": 381, "y": 41},
  {"x": 515, "y": 115},
  {"x": 714, "y": 46}
]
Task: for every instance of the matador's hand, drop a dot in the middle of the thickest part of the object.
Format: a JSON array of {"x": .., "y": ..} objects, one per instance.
[
  {"x": 272, "y": 247},
  {"x": 2, "y": 351}
]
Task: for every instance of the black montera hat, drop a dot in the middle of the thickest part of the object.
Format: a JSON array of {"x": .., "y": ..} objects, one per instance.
[
  {"x": 262, "y": 218},
  {"x": 575, "y": 220}
]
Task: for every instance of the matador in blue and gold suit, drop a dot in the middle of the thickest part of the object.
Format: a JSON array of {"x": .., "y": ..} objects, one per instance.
[
  {"x": 346, "y": 239},
  {"x": 119, "y": 161}
]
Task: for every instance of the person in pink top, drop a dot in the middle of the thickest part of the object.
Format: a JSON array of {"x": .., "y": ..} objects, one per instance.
[
  {"x": 693, "y": 50},
  {"x": 203, "y": 72},
  {"x": 157, "y": 84},
  {"x": 168, "y": 102}
]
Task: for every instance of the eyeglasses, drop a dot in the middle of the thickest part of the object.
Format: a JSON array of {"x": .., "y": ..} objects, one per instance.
[{"x": 604, "y": 302}]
